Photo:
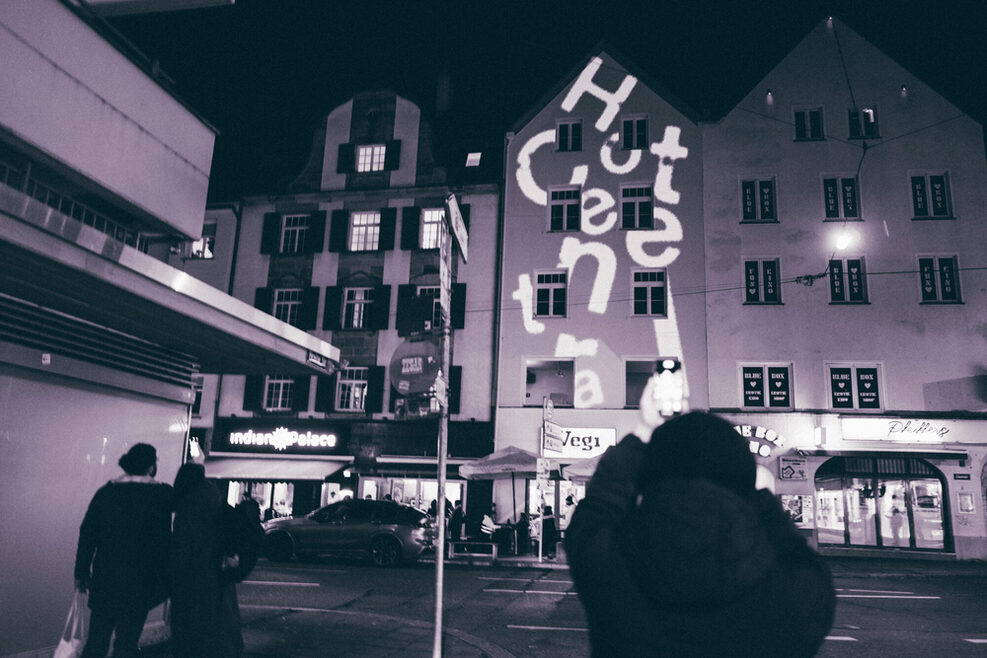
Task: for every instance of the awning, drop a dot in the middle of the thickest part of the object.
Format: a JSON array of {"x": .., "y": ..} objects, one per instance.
[
  {"x": 916, "y": 453},
  {"x": 249, "y": 468}
]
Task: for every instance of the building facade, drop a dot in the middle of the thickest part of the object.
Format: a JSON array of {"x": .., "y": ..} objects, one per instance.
[
  {"x": 845, "y": 207},
  {"x": 351, "y": 256}
]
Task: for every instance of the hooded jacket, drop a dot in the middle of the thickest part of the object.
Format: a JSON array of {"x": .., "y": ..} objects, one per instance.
[{"x": 675, "y": 564}]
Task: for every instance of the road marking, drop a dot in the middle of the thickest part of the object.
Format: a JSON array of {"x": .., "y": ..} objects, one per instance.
[
  {"x": 976, "y": 641},
  {"x": 841, "y": 638},
  {"x": 874, "y": 591},
  {"x": 280, "y": 582},
  {"x": 524, "y": 580},
  {"x": 548, "y": 628},
  {"x": 529, "y": 591},
  {"x": 887, "y": 596}
]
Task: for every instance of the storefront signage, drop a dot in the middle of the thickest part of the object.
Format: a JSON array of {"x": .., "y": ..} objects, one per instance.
[
  {"x": 792, "y": 468},
  {"x": 961, "y": 476},
  {"x": 414, "y": 366},
  {"x": 754, "y": 387},
  {"x": 778, "y": 390},
  {"x": 255, "y": 437},
  {"x": 842, "y": 388},
  {"x": 762, "y": 439},
  {"x": 281, "y": 438},
  {"x": 582, "y": 442},
  {"x": 905, "y": 430}
]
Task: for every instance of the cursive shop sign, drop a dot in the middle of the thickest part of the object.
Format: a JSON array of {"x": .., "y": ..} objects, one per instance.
[{"x": 905, "y": 430}]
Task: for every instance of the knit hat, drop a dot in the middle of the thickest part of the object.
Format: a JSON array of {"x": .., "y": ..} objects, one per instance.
[
  {"x": 702, "y": 446},
  {"x": 138, "y": 459}
]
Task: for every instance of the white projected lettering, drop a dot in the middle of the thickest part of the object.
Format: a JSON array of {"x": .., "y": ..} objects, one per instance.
[{"x": 651, "y": 247}]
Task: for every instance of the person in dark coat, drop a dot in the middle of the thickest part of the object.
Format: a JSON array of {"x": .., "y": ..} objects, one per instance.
[
  {"x": 550, "y": 532},
  {"x": 675, "y": 553},
  {"x": 456, "y": 522},
  {"x": 205, "y": 615},
  {"x": 122, "y": 555}
]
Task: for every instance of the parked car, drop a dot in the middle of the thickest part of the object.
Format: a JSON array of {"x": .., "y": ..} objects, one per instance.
[{"x": 386, "y": 532}]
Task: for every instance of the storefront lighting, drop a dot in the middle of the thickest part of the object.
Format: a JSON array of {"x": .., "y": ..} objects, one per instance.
[
  {"x": 819, "y": 435},
  {"x": 347, "y": 473}
]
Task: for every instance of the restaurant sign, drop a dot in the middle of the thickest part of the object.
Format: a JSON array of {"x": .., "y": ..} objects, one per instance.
[
  {"x": 904, "y": 430},
  {"x": 279, "y": 439}
]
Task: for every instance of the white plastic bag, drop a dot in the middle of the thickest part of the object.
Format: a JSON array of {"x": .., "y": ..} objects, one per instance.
[{"x": 74, "y": 634}]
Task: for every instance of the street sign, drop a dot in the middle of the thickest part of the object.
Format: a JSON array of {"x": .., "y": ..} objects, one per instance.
[
  {"x": 548, "y": 408},
  {"x": 552, "y": 437},
  {"x": 414, "y": 366},
  {"x": 457, "y": 225},
  {"x": 440, "y": 390}
]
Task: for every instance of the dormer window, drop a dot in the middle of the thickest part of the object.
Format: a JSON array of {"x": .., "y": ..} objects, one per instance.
[{"x": 370, "y": 158}]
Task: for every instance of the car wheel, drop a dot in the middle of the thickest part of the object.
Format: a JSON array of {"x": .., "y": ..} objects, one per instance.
[
  {"x": 279, "y": 547},
  {"x": 385, "y": 551}
]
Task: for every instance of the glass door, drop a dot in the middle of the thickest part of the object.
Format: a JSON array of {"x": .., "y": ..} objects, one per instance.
[
  {"x": 861, "y": 507},
  {"x": 894, "y": 513},
  {"x": 926, "y": 511},
  {"x": 829, "y": 511}
]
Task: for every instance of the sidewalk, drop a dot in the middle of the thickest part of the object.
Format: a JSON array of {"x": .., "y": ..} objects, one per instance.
[{"x": 279, "y": 631}]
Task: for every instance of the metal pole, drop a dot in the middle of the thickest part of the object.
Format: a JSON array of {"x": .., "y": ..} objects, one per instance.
[{"x": 442, "y": 448}]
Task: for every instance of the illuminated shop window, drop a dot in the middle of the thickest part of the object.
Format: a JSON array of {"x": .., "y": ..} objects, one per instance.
[
  {"x": 364, "y": 231},
  {"x": 855, "y": 386},
  {"x": 551, "y": 379},
  {"x": 563, "y": 210},
  {"x": 649, "y": 293},
  {"x": 278, "y": 392},
  {"x": 569, "y": 136},
  {"x": 550, "y": 295},
  {"x": 939, "y": 279},
  {"x": 809, "y": 124},
  {"x": 847, "y": 281},
  {"x": 762, "y": 281},
  {"x": 634, "y": 132},
  {"x": 351, "y": 389},
  {"x": 636, "y": 207},
  {"x": 930, "y": 196},
  {"x": 294, "y": 230},
  {"x": 287, "y": 304},
  {"x": 370, "y": 158},
  {"x": 431, "y": 226},
  {"x": 863, "y": 123},
  {"x": 757, "y": 199},
  {"x": 356, "y": 307},
  {"x": 841, "y": 198}
]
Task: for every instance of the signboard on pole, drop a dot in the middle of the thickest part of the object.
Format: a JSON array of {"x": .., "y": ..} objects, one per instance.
[
  {"x": 552, "y": 437},
  {"x": 456, "y": 224}
]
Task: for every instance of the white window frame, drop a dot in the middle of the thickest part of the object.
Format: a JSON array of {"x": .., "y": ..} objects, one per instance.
[
  {"x": 649, "y": 280},
  {"x": 351, "y": 389},
  {"x": 567, "y": 198},
  {"x": 936, "y": 282},
  {"x": 927, "y": 182},
  {"x": 294, "y": 231},
  {"x": 370, "y": 158},
  {"x": 839, "y": 182},
  {"x": 551, "y": 281},
  {"x": 279, "y": 391},
  {"x": 564, "y": 141},
  {"x": 631, "y": 125},
  {"x": 854, "y": 366},
  {"x": 435, "y": 293},
  {"x": 641, "y": 198},
  {"x": 287, "y": 304},
  {"x": 364, "y": 230},
  {"x": 863, "y": 122},
  {"x": 755, "y": 203},
  {"x": 766, "y": 388},
  {"x": 431, "y": 228},
  {"x": 357, "y": 302},
  {"x": 760, "y": 281}
]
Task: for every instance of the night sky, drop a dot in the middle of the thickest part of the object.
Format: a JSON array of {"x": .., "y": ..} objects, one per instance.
[{"x": 263, "y": 72}]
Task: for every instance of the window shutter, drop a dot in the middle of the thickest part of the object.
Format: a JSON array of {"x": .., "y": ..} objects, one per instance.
[
  {"x": 316, "y": 232},
  {"x": 345, "y": 159},
  {"x": 338, "y": 230},
  {"x": 308, "y": 312},
  {"x": 405, "y": 320},
  {"x": 388, "y": 228},
  {"x": 375, "y": 390},
  {"x": 253, "y": 393},
  {"x": 410, "y": 226},
  {"x": 392, "y": 155},
  {"x": 455, "y": 386},
  {"x": 299, "y": 393},
  {"x": 325, "y": 393},
  {"x": 271, "y": 233},
  {"x": 380, "y": 309},
  {"x": 854, "y": 119},
  {"x": 331, "y": 314},
  {"x": 464, "y": 210},
  {"x": 800, "y": 127},
  {"x": 457, "y": 310},
  {"x": 264, "y": 299}
]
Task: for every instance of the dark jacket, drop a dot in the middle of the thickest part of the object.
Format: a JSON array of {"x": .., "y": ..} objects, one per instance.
[
  {"x": 123, "y": 544},
  {"x": 696, "y": 570}
]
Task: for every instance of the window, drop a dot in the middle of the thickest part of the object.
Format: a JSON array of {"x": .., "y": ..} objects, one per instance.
[
  {"x": 847, "y": 281},
  {"x": 762, "y": 281},
  {"x": 550, "y": 295},
  {"x": 351, "y": 389},
  {"x": 203, "y": 248},
  {"x": 356, "y": 307},
  {"x": 549, "y": 379},
  {"x": 569, "y": 136},
  {"x": 294, "y": 230},
  {"x": 648, "y": 293},
  {"x": 758, "y": 200},
  {"x": 841, "y": 198},
  {"x": 434, "y": 293},
  {"x": 939, "y": 280},
  {"x": 809, "y": 124},
  {"x": 636, "y": 376},
  {"x": 863, "y": 123},
  {"x": 854, "y": 386},
  {"x": 635, "y": 207},
  {"x": 431, "y": 227},
  {"x": 563, "y": 210},
  {"x": 278, "y": 391},
  {"x": 766, "y": 385},
  {"x": 473, "y": 158},
  {"x": 287, "y": 304},
  {"x": 930, "y": 196},
  {"x": 370, "y": 158},
  {"x": 197, "y": 387},
  {"x": 365, "y": 231},
  {"x": 634, "y": 131}
]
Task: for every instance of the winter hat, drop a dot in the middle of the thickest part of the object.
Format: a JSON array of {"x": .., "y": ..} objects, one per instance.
[
  {"x": 702, "y": 446},
  {"x": 138, "y": 459}
]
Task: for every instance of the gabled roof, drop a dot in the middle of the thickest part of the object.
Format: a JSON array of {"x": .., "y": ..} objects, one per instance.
[{"x": 604, "y": 47}]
